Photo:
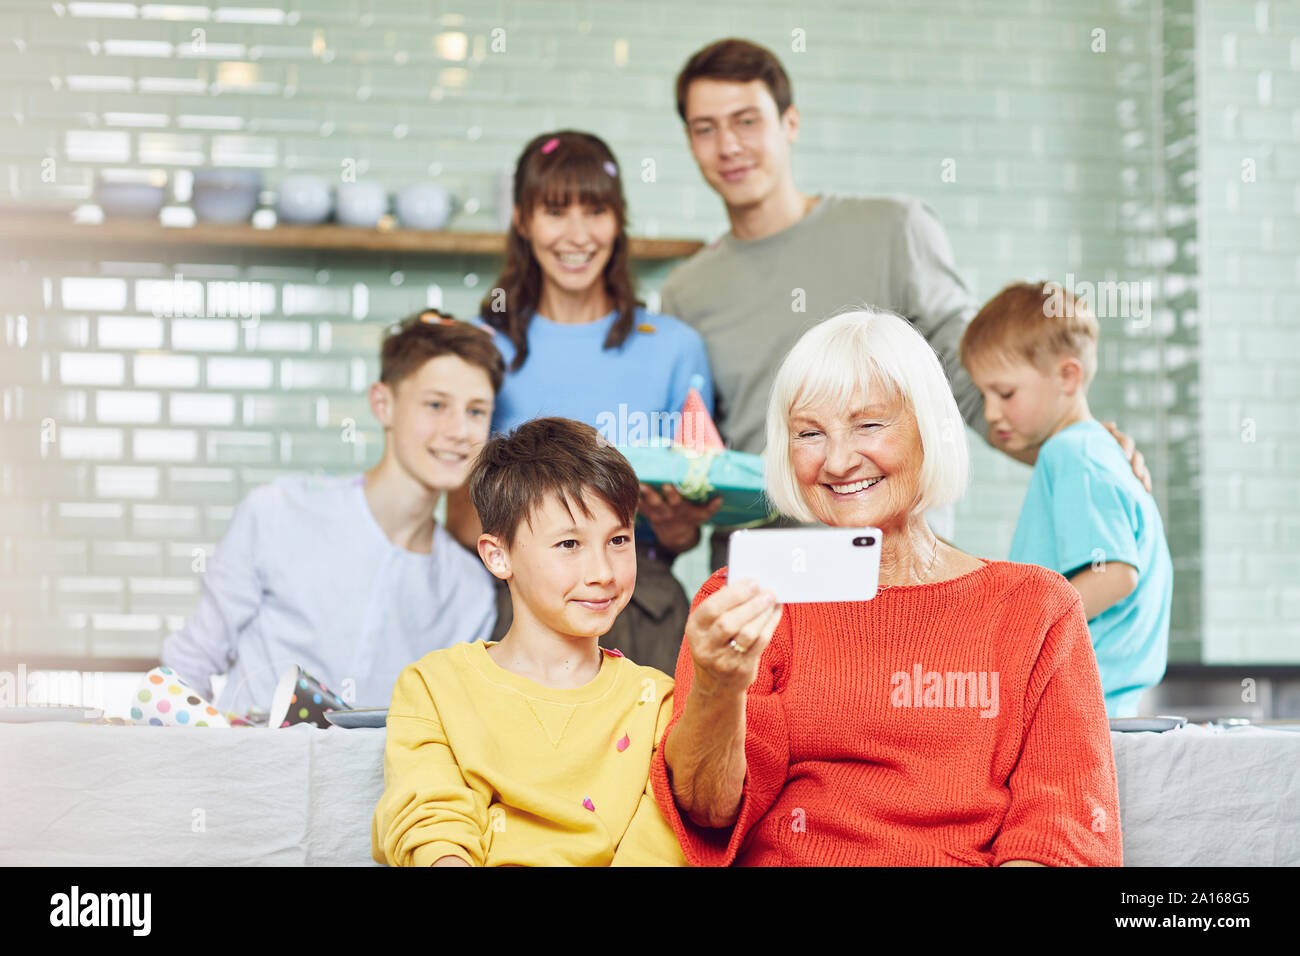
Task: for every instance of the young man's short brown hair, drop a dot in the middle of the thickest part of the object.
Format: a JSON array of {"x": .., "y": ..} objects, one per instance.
[
  {"x": 736, "y": 61},
  {"x": 429, "y": 334},
  {"x": 1036, "y": 322},
  {"x": 515, "y": 473}
]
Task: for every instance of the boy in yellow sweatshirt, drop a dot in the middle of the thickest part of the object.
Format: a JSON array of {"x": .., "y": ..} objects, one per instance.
[{"x": 535, "y": 750}]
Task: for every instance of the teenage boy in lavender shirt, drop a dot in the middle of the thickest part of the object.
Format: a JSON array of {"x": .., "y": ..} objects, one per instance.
[
  {"x": 786, "y": 250},
  {"x": 351, "y": 577}
]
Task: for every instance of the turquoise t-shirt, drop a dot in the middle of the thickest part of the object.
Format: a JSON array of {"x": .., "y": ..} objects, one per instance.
[{"x": 1084, "y": 506}]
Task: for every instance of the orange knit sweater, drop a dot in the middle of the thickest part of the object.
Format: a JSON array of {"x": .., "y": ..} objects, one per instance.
[{"x": 953, "y": 723}]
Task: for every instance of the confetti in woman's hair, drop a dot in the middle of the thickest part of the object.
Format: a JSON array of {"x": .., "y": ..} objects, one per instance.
[{"x": 556, "y": 169}]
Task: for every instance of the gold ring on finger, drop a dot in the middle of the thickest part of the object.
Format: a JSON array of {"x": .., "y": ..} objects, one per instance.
[{"x": 736, "y": 647}]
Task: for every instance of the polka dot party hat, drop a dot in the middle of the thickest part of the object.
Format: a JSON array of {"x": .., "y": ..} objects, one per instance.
[
  {"x": 302, "y": 699},
  {"x": 163, "y": 699}
]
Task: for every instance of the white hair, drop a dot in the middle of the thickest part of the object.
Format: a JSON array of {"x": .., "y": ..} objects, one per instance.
[{"x": 869, "y": 351}]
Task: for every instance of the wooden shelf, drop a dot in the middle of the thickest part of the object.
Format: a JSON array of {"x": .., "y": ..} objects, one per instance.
[{"x": 38, "y": 228}]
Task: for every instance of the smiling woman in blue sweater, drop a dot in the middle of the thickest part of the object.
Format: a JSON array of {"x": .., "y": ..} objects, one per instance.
[{"x": 577, "y": 344}]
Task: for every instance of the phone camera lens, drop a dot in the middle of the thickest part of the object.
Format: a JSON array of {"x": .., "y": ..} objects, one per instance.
[{"x": 864, "y": 542}]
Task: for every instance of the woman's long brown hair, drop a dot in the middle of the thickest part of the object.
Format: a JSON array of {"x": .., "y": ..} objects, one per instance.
[{"x": 581, "y": 168}]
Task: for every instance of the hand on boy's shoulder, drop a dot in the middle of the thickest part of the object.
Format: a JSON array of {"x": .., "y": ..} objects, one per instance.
[
  {"x": 1129, "y": 447},
  {"x": 1130, "y": 450},
  {"x": 1091, "y": 449}
]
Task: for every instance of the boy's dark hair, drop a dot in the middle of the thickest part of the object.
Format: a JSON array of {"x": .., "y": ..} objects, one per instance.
[
  {"x": 429, "y": 334},
  {"x": 737, "y": 61},
  {"x": 515, "y": 473}
]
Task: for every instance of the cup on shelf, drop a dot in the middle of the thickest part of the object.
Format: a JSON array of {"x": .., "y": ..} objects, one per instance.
[
  {"x": 423, "y": 206},
  {"x": 226, "y": 195},
  {"x": 361, "y": 204},
  {"x": 140, "y": 195},
  {"x": 304, "y": 200}
]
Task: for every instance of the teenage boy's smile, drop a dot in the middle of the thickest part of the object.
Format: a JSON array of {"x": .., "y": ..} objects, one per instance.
[
  {"x": 458, "y": 460},
  {"x": 439, "y": 418}
]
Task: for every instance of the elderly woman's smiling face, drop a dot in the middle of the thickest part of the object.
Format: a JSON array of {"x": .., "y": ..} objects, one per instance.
[{"x": 857, "y": 463}]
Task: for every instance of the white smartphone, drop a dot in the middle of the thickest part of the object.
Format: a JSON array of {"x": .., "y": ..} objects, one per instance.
[{"x": 802, "y": 565}]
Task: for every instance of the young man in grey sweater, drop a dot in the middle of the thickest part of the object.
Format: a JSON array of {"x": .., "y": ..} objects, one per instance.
[{"x": 791, "y": 260}]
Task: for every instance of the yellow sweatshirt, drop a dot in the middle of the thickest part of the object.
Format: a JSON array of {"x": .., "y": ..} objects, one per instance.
[{"x": 499, "y": 770}]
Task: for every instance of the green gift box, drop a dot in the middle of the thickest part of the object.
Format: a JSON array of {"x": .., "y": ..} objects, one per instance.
[{"x": 700, "y": 476}]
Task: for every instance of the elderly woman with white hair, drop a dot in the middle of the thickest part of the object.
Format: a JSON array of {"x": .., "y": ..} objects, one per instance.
[{"x": 954, "y": 719}]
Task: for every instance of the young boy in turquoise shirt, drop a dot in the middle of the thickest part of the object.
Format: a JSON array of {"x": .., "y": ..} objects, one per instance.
[{"x": 1032, "y": 352}]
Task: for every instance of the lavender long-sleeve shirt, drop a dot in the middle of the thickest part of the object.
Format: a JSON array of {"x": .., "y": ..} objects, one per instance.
[{"x": 306, "y": 576}]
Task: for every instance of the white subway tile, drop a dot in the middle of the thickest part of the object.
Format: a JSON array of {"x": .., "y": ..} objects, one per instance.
[
  {"x": 126, "y": 482},
  {"x": 240, "y": 373},
  {"x": 314, "y": 374},
  {"x": 144, "y": 408},
  {"x": 201, "y": 408},
  {"x": 163, "y": 595},
  {"x": 240, "y": 447},
  {"x": 164, "y": 521},
  {"x": 129, "y": 332},
  {"x": 78, "y": 594},
  {"x": 166, "y": 371},
  {"x": 90, "y": 368},
  {"x": 279, "y": 337},
  {"x": 91, "y": 520},
  {"x": 90, "y": 443},
  {"x": 121, "y": 558},
  {"x": 164, "y": 444},
  {"x": 205, "y": 335},
  {"x": 200, "y": 484},
  {"x": 281, "y": 410}
]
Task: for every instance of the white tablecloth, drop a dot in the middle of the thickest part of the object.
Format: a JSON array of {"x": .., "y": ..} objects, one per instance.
[{"x": 78, "y": 795}]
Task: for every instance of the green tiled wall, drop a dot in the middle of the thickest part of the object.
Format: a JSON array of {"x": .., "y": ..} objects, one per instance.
[
  {"x": 1056, "y": 117},
  {"x": 1249, "y": 83}
]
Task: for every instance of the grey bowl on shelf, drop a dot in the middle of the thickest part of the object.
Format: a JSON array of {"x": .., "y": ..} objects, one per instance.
[
  {"x": 304, "y": 200},
  {"x": 226, "y": 195},
  {"x": 126, "y": 200},
  {"x": 360, "y": 204},
  {"x": 423, "y": 206}
]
